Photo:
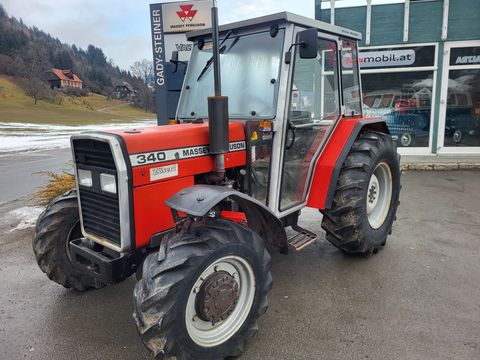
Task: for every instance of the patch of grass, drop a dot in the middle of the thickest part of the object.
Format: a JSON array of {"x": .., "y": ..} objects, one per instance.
[
  {"x": 92, "y": 109},
  {"x": 57, "y": 185}
]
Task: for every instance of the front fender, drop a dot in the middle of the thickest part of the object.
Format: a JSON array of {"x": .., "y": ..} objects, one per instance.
[{"x": 197, "y": 200}]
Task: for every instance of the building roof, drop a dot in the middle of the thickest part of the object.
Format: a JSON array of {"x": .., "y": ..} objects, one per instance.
[
  {"x": 285, "y": 17},
  {"x": 66, "y": 75},
  {"x": 127, "y": 85}
]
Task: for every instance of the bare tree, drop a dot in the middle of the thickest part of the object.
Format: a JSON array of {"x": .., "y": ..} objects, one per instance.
[
  {"x": 36, "y": 88},
  {"x": 143, "y": 95},
  {"x": 143, "y": 69}
]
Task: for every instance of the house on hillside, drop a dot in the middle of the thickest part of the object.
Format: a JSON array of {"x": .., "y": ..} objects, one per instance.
[
  {"x": 60, "y": 79},
  {"x": 124, "y": 91}
]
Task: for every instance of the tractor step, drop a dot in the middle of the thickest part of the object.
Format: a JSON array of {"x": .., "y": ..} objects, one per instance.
[{"x": 302, "y": 239}]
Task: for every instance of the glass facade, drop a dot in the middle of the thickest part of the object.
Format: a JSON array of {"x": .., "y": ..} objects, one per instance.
[
  {"x": 462, "y": 114},
  {"x": 398, "y": 88},
  {"x": 420, "y": 70}
]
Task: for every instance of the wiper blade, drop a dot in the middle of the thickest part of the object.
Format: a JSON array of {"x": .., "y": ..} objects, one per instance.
[{"x": 210, "y": 61}]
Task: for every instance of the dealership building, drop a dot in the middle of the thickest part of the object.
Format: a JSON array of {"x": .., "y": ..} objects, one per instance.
[{"x": 420, "y": 66}]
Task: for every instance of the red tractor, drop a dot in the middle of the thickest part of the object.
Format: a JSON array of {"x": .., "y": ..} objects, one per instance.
[{"x": 196, "y": 208}]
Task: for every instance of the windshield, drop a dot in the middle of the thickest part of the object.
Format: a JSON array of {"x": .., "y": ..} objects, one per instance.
[{"x": 250, "y": 67}]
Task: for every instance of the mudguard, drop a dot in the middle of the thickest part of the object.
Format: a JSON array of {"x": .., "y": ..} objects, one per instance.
[
  {"x": 197, "y": 200},
  {"x": 331, "y": 160}
]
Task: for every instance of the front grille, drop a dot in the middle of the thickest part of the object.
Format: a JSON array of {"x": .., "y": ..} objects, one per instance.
[
  {"x": 100, "y": 211},
  {"x": 100, "y": 215},
  {"x": 93, "y": 153}
]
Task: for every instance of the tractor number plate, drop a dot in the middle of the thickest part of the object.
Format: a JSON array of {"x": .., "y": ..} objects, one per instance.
[{"x": 163, "y": 172}]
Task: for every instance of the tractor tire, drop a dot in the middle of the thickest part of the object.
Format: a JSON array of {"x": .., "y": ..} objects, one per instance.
[
  {"x": 366, "y": 196},
  {"x": 56, "y": 226},
  {"x": 175, "y": 301}
]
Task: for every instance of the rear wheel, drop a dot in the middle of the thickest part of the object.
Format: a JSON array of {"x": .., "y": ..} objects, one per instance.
[
  {"x": 366, "y": 196},
  {"x": 55, "y": 228},
  {"x": 200, "y": 297}
]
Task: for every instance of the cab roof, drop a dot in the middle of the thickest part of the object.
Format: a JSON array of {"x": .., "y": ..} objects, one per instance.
[{"x": 281, "y": 17}]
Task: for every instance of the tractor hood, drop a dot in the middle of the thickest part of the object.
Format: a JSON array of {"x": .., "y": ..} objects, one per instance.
[
  {"x": 152, "y": 138},
  {"x": 182, "y": 145}
]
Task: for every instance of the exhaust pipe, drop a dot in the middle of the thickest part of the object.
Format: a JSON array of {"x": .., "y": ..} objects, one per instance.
[{"x": 217, "y": 109}]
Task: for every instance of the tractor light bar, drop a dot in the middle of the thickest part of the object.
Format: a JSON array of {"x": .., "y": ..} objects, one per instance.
[
  {"x": 85, "y": 177},
  {"x": 108, "y": 183}
]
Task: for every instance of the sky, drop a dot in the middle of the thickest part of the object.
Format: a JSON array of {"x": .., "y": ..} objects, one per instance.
[{"x": 122, "y": 27}]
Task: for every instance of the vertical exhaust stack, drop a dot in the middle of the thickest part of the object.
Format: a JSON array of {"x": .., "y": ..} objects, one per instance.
[{"x": 217, "y": 108}]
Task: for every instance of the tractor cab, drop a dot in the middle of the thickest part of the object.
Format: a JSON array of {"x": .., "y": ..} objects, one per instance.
[{"x": 283, "y": 75}]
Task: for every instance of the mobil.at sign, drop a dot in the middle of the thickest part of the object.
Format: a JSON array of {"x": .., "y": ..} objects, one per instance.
[
  {"x": 384, "y": 58},
  {"x": 404, "y": 57},
  {"x": 186, "y": 16}
]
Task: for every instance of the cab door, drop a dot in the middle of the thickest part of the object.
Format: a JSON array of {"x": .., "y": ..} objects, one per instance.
[{"x": 314, "y": 109}]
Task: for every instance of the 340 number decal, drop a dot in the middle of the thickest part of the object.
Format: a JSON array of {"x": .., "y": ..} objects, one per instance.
[{"x": 151, "y": 157}]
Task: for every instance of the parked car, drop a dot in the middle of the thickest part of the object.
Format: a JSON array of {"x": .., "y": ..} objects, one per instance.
[
  {"x": 460, "y": 119},
  {"x": 406, "y": 112}
]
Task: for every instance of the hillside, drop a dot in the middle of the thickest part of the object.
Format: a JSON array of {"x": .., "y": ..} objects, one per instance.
[
  {"x": 28, "y": 52},
  {"x": 15, "y": 106}
]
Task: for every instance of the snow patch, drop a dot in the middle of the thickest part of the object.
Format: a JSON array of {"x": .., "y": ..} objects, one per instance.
[
  {"x": 23, "y": 218},
  {"x": 15, "y": 137}
]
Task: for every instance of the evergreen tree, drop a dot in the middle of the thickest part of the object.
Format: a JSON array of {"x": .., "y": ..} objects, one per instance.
[{"x": 96, "y": 56}]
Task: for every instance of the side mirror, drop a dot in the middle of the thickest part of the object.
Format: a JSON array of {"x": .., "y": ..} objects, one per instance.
[
  {"x": 308, "y": 40},
  {"x": 174, "y": 61}
]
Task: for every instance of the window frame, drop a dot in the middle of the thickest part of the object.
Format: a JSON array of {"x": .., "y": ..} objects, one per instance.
[
  {"x": 442, "y": 114},
  {"x": 355, "y": 69},
  {"x": 294, "y": 207}
]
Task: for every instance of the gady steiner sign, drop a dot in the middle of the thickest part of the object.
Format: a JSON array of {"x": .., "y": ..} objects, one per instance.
[{"x": 169, "y": 23}]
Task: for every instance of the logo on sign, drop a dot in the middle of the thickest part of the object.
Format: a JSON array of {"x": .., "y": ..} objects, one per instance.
[
  {"x": 183, "y": 47},
  {"x": 468, "y": 60},
  {"x": 186, "y": 13},
  {"x": 384, "y": 58}
]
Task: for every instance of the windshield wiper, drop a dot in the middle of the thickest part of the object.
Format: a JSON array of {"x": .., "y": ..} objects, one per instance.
[{"x": 222, "y": 50}]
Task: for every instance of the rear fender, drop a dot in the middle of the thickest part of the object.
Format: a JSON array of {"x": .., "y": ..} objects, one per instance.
[
  {"x": 197, "y": 200},
  {"x": 331, "y": 160}
]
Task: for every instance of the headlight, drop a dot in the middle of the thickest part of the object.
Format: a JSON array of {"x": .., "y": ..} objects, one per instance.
[
  {"x": 108, "y": 183},
  {"x": 85, "y": 177}
]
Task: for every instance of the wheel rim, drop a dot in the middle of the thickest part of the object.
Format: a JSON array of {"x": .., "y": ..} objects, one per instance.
[
  {"x": 406, "y": 139},
  {"x": 206, "y": 333},
  {"x": 71, "y": 233},
  {"x": 457, "y": 136},
  {"x": 379, "y": 195}
]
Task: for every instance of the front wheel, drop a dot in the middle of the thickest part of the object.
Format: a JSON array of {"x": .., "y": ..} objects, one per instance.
[
  {"x": 55, "y": 228},
  {"x": 201, "y": 295},
  {"x": 366, "y": 196}
]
